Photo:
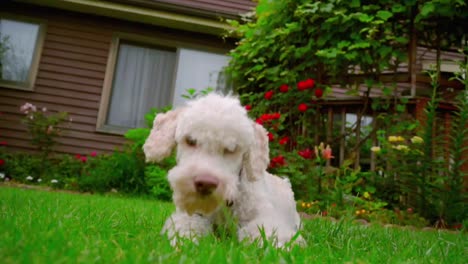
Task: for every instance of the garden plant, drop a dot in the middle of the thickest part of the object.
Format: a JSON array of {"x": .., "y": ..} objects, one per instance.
[{"x": 290, "y": 57}]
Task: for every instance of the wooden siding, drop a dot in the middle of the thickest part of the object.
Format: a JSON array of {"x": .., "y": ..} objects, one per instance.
[
  {"x": 71, "y": 75},
  {"x": 207, "y": 8}
]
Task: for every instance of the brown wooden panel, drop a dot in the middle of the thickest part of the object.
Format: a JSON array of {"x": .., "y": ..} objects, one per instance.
[
  {"x": 18, "y": 130},
  {"x": 75, "y": 49},
  {"x": 52, "y": 99},
  {"x": 74, "y": 56},
  {"x": 70, "y": 30},
  {"x": 212, "y": 8},
  {"x": 72, "y": 71},
  {"x": 12, "y": 105},
  {"x": 69, "y": 86},
  {"x": 101, "y": 68},
  {"x": 73, "y": 79},
  {"x": 68, "y": 93},
  {"x": 72, "y": 40},
  {"x": 88, "y": 144},
  {"x": 72, "y": 134}
]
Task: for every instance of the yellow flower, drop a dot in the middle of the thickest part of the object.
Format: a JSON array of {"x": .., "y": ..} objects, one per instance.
[
  {"x": 358, "y": 212},
  {"x": 376, "y": 149},
  {"x": 366, "y": 195},
  {"x": 417, "y": 140},
  {"x": 363, "y": 211},
  {"x": 401, "y": 147},
  {"x": 309, "y": 205},
  {"x": 303, "y": 204},
  {"x": 396, "y": 139}
]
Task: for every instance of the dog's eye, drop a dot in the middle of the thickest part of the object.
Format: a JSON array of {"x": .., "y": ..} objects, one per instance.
[{"x": 190, "y": 141}]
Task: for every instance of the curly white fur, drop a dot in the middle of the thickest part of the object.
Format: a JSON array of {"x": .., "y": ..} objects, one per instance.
[{"x": 216, "y": 139}]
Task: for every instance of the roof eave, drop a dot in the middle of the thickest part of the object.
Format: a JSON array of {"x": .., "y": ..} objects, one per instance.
[{"x": 138, "y": 14}]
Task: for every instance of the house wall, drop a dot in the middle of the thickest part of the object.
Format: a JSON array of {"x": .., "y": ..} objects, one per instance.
[{"x": 71, "y": 74}]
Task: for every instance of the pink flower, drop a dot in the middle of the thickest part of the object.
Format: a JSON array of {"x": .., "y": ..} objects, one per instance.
[
  {"x": 93, "y": 154},
  {"x": 26, "y": 107},
  {"x": 83, "y": 159},
  {"x": 302, "y": 107},
  {"x": 268, "y": 95},
  {"x": 327, "y": 153},
  {"x": 284, "y": 88}
]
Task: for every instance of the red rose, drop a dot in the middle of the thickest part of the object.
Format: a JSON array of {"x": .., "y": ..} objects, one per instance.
[
  {"x": 259, "y": 121},
  {"x": 2, "y": 162},
  {"x": 93, "y": 154},
  {"x": 310, "y": 83},
  {"x": 83, "y": 159},
  {"x": 301, "y": 86},
  {"x": 306, "y": 153},
  {"x": 279, "y": 160},
  {"x": 302, "y": 107},
  {"x": 268, "y": 95},
  {"x": 306, "y": 84},
  {"x": 284, "y": 88},
  {"x": 248, "y": 107},
  {"x": 3, "y": 143},
  {"x": 275, "y": 116},
  {"x": 271, "y": 137},
  {"x": 283, "y": 141},
  {"x": 78, "y": 156},
  {"x": 318, "y": 93}
]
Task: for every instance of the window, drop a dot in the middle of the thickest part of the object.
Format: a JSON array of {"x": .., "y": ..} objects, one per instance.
[
  {"x": 20, "y": 45},
  {"x": 151, "y": 74}
]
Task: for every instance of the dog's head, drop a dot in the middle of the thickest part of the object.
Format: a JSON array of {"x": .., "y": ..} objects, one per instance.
[{"x": 217, "y": 145}]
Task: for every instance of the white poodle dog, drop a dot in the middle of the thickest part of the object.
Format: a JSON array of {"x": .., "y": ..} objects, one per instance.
[{"x": 222, "y": 157}]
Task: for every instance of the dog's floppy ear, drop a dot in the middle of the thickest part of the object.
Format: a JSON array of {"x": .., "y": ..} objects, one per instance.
[
  {"x": 257, "y": 158},
  {"x": 161, "y": 141}
]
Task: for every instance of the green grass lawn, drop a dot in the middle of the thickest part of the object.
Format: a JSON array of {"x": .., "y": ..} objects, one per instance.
[{"x": 54, "y": 227}]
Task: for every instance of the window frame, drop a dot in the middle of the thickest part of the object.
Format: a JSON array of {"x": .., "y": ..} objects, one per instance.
[
  {"x": 136, "y": 39},
  {"x": 38, "y": 48}
]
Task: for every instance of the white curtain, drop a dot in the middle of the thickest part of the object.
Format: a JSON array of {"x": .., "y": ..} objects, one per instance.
[
  {"x": 142, "y": 80},
  {"x": 199, "y": 70},
  {"x": 18, "y": 40}
]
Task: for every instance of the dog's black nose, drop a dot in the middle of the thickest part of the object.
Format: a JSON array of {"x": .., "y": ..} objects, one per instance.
[{"x": 205, "y": 184}]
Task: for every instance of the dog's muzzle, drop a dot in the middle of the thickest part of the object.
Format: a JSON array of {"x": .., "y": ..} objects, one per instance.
[{"x": 205, "y": 184}]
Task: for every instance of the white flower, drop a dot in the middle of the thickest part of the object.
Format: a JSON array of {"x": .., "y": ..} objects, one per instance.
[
  {"x": 54, "y": 181},
  {"x": 44, "y": 109},
  {"x": 417, "y": 140},
  {"x": 39, "y": 180},
  {"x": 2, "y": 175},
  {"x": 29, "y": 178},
  {"x": 375, "y": 149},
  {"x": 28, "y": 106}
]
